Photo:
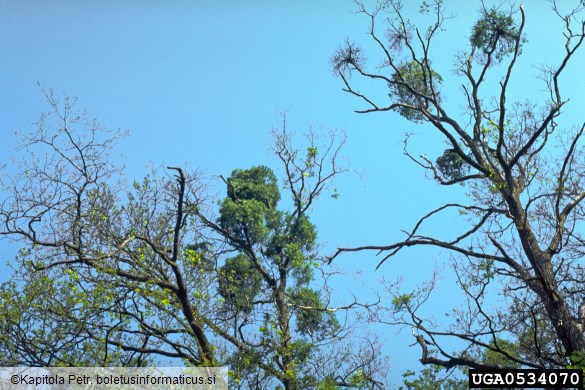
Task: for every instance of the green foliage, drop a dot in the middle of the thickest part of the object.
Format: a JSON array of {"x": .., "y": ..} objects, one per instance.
[
  {"x": 451, "y": 165},
  {"x": 496, "y": 187},
  {"x": 301, "y": 351},
  {"x": 358, "y": 380},
  {"x": 286, "y": 243},
  {"x": 292, "y": 241},
  {"x": 44, "y": 319},
  {"x": 195, "y": 258},
  {"x": 302, "y": 232},
  {"x": 245, "y": 219},
  {"x": 578, "y": 362},
  {"x": 327, "y": 384},
  {"x": 121, "y": 285},
  {"x": 312, "y": 318},
  {"x": 410, "y": 84},
  {"x": 248, "y": 211},
  {"x": 244, "y": 367},
  {"x": 431, "y": 378},
  {"x": 486, "y": 268},
  {"x": 495, "y": 34},
  {"x": 257, "y": 183},
  {"x": 299, "y": 265},
  {"x": 239, "y": 282},
  {"x": 311, "y": 154},
  {"x": 496, "y": 358},
  {"x": 398, "y": 302}
]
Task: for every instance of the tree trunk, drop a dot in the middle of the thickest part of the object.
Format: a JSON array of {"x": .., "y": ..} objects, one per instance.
[{"x": 545, "y": 284}]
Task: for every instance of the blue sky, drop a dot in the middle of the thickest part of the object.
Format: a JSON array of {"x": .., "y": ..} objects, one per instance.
[{"x": 201, "y": 83}]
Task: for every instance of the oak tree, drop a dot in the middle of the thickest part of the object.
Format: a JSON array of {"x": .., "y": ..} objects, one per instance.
[
  {"x": 155, "y": 272},
  {"x": 519, "y": 261}
]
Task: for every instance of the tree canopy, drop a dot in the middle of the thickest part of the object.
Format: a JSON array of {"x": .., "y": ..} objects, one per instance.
[
  {"x": 521, "y": 167},
  {"x": 162, "y": 269},
  {"x": 110, "y": 275}
]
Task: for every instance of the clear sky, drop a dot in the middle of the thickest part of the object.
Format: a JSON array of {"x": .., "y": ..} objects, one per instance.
[{"x": 201, "y": 82}]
